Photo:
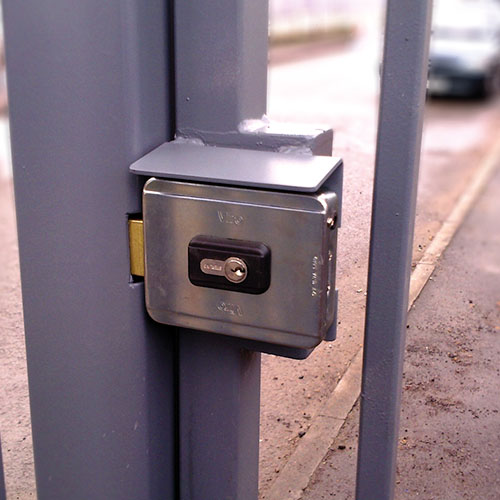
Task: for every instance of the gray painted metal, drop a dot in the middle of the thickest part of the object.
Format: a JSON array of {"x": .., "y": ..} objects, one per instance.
[
  {"x": 237, "y": 167},
  {"x": 3, "y": 494},
  {"x": 297, "y": 309},
  {"x": 396, "y": 174},
  {"x": 269, "y": 136},
  {"x": 220, "y": 100},
  {"x": 219, "y": 442},
  {"x": 88, "y": 95},
  {"x": 220, "y": 80}
]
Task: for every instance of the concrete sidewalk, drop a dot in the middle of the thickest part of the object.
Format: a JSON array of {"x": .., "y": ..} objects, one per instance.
[{"x": 450, "y": 425}]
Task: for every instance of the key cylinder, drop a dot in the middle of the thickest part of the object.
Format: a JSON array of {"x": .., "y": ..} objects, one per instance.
[
  {"x": 235, "y": 270},
  {"x": 229, "y": 264}
]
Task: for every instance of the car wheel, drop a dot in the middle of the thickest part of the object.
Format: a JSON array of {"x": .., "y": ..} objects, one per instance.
[{"x": 491, "y": 84}]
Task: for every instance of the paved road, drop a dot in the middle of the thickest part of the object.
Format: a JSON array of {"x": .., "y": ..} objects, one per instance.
[
  {"x": 450, "y": 427},
  {"x": 317, "y": 84}
]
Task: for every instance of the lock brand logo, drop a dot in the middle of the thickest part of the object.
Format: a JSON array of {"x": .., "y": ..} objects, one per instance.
[
  {"x": 231, "y": 309},
  {"x": 210, "y": 266},
  {"x": 317, "y": 263},
  {"x": 227, "y": 218}
]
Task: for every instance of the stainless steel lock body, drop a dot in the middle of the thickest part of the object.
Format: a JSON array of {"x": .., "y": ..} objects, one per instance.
[
  {"x": 297, "y": 307},
  {"x": 242, "y": 243}
]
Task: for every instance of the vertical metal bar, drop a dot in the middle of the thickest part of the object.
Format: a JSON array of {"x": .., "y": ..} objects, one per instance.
[
  {"x": 219, "y": 402},
  {"x": 3, "y": 494},
  {"x": 393, "y": 217},
  {"x": 221, "y": 64},
  {"x": 88, "y": 94},
  {"x": 221, "y": 74}
]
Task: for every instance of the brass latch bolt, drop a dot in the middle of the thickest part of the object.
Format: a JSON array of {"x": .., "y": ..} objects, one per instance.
[{"x": 136, "y": 243}]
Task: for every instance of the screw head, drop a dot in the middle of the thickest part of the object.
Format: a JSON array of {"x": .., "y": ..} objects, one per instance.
[{"x": 331, "y": 222}]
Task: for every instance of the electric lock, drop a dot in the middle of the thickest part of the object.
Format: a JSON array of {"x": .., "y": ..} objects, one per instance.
[{"x": 242, "y": 243}]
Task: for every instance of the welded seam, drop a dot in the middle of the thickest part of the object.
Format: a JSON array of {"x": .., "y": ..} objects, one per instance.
[{"x": 306, "y": 458}]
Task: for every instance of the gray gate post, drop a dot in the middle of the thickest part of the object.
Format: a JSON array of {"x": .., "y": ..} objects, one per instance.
[
  {"x": 221, "y": 77},
  {"x": 89, "y": 94},
  {"x": 2, "y": 477},
  {"x": 393, "y": 217},
  {"x": 221, "y": 88}
]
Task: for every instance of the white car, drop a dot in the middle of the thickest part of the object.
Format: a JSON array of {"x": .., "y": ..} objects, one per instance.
[{"x": 465, "y": 48}]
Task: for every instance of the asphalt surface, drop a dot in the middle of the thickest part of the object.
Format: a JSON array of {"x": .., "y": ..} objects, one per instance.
[
  {"x": 450, "y": 423},
  {"x": 312, "y": 84}
]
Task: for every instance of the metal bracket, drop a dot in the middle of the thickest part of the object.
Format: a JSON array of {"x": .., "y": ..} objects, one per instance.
[
  {"x": 266, "y": 135},
  {"x": 237, "y": 167}
]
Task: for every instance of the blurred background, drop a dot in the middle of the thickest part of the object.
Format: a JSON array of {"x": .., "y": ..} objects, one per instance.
[
  {"x": 324, "y": 66},
  {"x": 325, "y": 61}
]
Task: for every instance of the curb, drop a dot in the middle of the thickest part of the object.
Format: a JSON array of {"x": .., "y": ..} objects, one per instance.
[{"x": 338, "y": 32}]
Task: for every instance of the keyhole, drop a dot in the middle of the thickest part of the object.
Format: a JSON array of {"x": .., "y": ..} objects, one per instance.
[
  {"x": 239, "y": 271},
  {"x": 235, "y": 270}
]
